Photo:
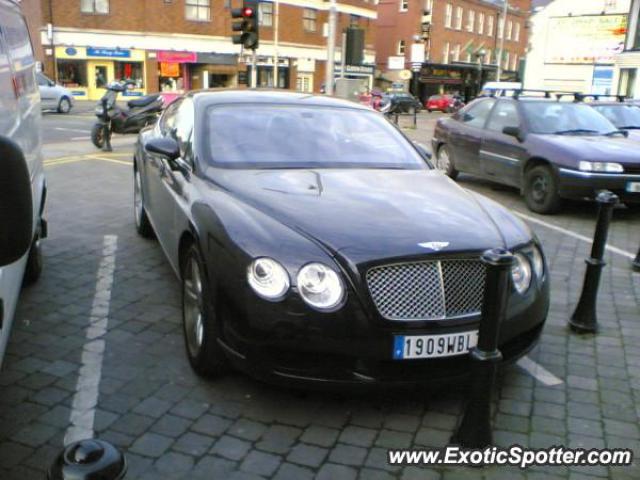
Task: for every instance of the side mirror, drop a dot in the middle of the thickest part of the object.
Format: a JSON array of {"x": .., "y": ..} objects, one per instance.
[
  {"x": 16, "y": 203},
  {"x": 165, "y": 147},
  {"x": 52, "y": 83},
  {"x": 513, "y": 132}
]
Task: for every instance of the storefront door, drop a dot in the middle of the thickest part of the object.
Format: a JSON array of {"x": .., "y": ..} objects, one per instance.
[{"x": 99, "y": 75}]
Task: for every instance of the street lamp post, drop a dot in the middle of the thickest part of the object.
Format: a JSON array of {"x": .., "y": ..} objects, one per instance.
[
  {"x": 505, "y": 9},
  {"x": 480, "y": 54}
]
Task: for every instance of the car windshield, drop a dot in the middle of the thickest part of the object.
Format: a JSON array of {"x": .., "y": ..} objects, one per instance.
[
  {"x": 622, "y": 116},
  {"x": 565, "y": 118},
  {"x": 282, "y": 136}
]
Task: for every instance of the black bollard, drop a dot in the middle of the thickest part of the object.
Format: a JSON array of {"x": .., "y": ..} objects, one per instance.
[
  {"x": 89, "y": 460},
  {"x": 636, "y": 262},
  {"x": 584, "y": 318},
  {"x": 474, "y": 430}
]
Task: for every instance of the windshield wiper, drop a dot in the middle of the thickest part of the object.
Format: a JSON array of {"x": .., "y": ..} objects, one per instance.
[
  {"x": 615, "y": 132},
  {"x": 630, "y": 127},
  {"x": 574, "y": 131}
]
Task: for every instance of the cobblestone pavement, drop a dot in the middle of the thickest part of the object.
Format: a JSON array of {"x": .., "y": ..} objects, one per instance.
[{"x": 173, "y": 424}]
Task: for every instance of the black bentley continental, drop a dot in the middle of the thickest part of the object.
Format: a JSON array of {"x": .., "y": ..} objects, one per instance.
[{"x": 315, "y": 244}]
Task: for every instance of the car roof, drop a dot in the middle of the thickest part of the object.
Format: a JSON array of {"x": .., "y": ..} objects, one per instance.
[{"x": 248, "y": 96}]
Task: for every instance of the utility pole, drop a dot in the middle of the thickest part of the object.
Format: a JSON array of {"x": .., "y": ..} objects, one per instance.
[
  {"x": 276, "y": 60},
  {"x": 331, "y": 48},
  {"x": 505, "y": 9},
  {"x": 254, "y": 69}
]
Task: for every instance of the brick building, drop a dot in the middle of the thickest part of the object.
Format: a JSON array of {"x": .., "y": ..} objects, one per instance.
[
  {"x": 185, "y": 44},
  {"x": 451, "y": 41}
]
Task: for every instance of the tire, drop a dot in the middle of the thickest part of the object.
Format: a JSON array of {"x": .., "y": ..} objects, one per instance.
[
  {"x": 541, "y": 190},
  {"x": 97, "y": 135},
  {"x": 199, "y": 319},
  {"x": 35, "y": 263},
  {"x": 444, "y": 162},
  {"x": 64, "y": 105},
  {"x": 143, "y": 225}
]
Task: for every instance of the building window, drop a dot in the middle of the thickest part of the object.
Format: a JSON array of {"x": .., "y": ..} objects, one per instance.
[
  {"x": 197, "y": 10},
  {"x": 265, "y": 15},
  {"x": 72, "y": 73},
  {"x": 428, "y": 6},
  {"x": 448, "y": 12},
  {"x": 471, "y": 20},
  {"x": 445, "y": 53},
  {"x": 130, "y": 71},
  {"x": 456, "y": 53},
  {"x": 354, "y": 20},
  {"x": 490, "y": 25},
  {"x": 404, "y": 5},
  {"x": 509, "y": 29},
  {"x": 480, "y": 23},
  {"x": 500, "y": 27},
  {"x": 94, "y": 6},
  {"x": 304, "y": 82},
  {"x": 458, "y": 22},
  {"x": 401, "y": 47},
  {"x": 309, "y": 16},
  {"x": 627, "y": 82},
  {"x": 516, "y": 34}
]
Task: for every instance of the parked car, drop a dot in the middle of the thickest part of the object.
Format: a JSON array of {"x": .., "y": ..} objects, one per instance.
[
  {"x": 441, "y": 103},
  {"x": 549, "y": 149},
  {"x": 315, "y": 243},
  {"x": 53, "y": 96},
  {"x": 21, "y": 160},
  {"x": 624, "y": 116},
  {"x": 402, "y": 102}
]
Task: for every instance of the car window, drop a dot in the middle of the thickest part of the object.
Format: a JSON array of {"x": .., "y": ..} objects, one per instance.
[
  {"x": 183, "y": 125},
  {"x": 554, "y": 117},
  {"x": 283, "y": 136},
  {"x": 622, "y": 116},
  {"x": 475, "y": 115},
  {"x": 18, "y": 43},
  {"x": 167, "y": 121},
  {"x": 42, "y": 80},
  {"x": 505, "y": 114}
]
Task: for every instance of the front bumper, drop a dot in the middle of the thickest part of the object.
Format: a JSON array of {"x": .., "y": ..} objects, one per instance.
[
  {"x": 282, "y": 346},
  {"x": 576, "y": 184}
]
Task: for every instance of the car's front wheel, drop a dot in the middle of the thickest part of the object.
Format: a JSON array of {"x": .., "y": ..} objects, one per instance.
[
  {"x": 444, "y": 162},
  {"x": 35, "y": 262},
  {"x": 143, "y": 226},
  {"x": 64, "y": 106},
  {"x": 199, "y": 318},
  {"x": 541, "y": 190}
]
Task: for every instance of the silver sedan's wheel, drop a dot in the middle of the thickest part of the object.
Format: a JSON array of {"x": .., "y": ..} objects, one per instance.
[
  {"x": 193, "y": 308},
  {"x": 143, "y": 226},
  {"x": 64, "y": 106}
]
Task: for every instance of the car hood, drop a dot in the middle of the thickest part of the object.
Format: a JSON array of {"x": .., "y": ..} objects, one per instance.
[
  {"x": 594, "y": 148},
  {"x": 368, "y": 215}
]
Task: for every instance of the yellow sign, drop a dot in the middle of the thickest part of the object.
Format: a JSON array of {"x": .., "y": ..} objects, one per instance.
[
  {"x": 84, "y": 53},
  {"x": 169, "y": 69},
  {"x": 585, "y": 39}
]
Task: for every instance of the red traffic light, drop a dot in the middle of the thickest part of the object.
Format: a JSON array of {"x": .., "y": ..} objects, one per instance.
[{"x": 247, "y": 12}]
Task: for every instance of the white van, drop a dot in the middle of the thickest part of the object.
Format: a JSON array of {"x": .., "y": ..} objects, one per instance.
[
  {"x": 497, "y": 88},
  {"x": 19, "y": 144}
]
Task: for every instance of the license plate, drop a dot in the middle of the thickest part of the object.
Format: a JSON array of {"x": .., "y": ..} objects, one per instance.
[
  {"x": 633, "y": 187},
  {"x": 407, "y": 347}
]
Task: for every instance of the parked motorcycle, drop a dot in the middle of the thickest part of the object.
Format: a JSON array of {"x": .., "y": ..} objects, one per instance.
[{"x": 113, "y": 119}]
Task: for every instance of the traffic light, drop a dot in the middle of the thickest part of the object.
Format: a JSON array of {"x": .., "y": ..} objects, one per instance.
[{"x": 248, "y": 25}]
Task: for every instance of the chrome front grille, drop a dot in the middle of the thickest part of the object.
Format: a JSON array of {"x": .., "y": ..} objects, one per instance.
[{"x": 427, "y": 290}]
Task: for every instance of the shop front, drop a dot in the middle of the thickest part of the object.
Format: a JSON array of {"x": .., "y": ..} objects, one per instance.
[
  {"x": 461, "y": 79},
  {"x": 363, "y": 73},
  {"x": 182, "y": 71},
  {"x": 86, "y": 71}
]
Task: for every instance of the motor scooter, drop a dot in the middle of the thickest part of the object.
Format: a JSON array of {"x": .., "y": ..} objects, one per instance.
[{"x": 113, "y": 119}]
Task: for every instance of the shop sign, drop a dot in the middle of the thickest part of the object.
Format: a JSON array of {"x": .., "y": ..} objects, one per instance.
[
  {"x": 217, "y": 58},
  {"x": 395, "y": 63},
  {"x": 366, "y": 69},
  {"x": 70, "y": 51},
  {"x": 168, "y": 69},
  {"x": 107, "y": 52},
  {"x": 178, "y": 57}
]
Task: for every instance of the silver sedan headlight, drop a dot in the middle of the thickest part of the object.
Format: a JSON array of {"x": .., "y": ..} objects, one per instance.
[
  {"x": 537, "y": 262},
  {"x": 268, "y": 278},
  {"x": 521, "y": 273},
  {"x": 320, "y": 286}
]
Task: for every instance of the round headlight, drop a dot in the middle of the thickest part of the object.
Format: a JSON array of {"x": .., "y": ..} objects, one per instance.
[
  {"x": 320, "y": 286},
  {"x": 537, "y": 261},
  {"x": 521, "y": 273},
  {"x": 268, "y": 278}
]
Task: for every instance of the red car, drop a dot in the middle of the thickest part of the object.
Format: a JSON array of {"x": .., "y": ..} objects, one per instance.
[{"x": 443, "y": 103}]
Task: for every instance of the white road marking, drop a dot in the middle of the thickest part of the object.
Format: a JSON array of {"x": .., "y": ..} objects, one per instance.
[
  {"x": 538, "y": 372},
  {"x": 573, "y": 234},
  {"x": 80, "y": 138},
  {"x": 72, "y": 129},
  {"x": 85, "y": 400}
]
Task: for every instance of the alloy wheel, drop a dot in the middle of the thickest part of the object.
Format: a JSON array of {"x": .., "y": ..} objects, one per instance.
[
  {"x": 443, "y": 162},
  {"x": 193, "y": 308},
  {"x": 137, "y": 198},
  {"x": 539, "y": 188}
]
